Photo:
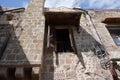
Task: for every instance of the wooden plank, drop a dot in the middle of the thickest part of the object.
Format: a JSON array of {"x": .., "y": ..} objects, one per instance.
[
  {"x": 73, "y": 45},
  {"x": 115, "y": 59},
  {"x": 48, "y": 37}
]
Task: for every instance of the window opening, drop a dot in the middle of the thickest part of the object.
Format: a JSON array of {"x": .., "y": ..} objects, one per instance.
[
  {"x": 62, "y": 40},
  {"x": 115, "y": 33}
]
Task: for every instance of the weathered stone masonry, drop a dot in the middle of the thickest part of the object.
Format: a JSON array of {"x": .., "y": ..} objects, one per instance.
[{"x": 23, "y": 45}]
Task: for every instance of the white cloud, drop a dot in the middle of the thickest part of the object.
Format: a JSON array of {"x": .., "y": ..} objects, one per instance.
[
  {"x": 90, "y": 4},
  {"x": 62, "y": 3},
  {"x": 25, "y": 4},
  {"x": 101, "y": 4}
]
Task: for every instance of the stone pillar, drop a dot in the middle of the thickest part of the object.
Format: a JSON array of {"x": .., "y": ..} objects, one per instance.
[
  {"x": 33, "y": 26},
  {"x": 35, "y": 73},
  {"x": 19, "y": 73}
]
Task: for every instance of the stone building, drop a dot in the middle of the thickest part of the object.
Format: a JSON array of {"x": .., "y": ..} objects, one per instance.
[{"x": 40, "y": 43}]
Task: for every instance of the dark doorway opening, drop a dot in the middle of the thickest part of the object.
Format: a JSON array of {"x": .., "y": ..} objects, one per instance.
[{"x": 62, "y": 40}]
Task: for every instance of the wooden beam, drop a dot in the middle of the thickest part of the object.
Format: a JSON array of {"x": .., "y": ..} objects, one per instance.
[
  {"x": 71, "y": 39},
  {"x": 115, "y": 59},
  {"x": 48, "y": 37}
]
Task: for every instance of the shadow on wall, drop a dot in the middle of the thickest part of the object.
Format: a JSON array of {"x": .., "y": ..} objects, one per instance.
[
  {"x": 83, "y": 41},
  {"x": 14, "y": 63}
]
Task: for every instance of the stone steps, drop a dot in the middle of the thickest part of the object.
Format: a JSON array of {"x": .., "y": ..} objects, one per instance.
[{"x": 19, "y": 73}]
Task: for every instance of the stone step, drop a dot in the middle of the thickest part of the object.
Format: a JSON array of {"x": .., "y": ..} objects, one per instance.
[{"x": 19, "y": 73}]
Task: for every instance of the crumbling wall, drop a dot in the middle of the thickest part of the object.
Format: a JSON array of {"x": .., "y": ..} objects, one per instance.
[
  {"x": 85, "y": 45},
  {"x": 99, "y": 16},
  {"x": 85, "y": 64}
]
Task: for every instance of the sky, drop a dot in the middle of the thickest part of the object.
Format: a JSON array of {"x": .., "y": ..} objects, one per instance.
[
  {"x": 85, "y": 4},
  {"x": 14, "y": 3}
]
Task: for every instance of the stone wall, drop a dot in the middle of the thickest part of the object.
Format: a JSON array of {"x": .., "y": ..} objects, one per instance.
[
  {"x": 99, "y": 16},
  {"x": 23, "y": 54},
  {"x": 27, "y": 30},
  {"x": 6, "y": 28},
  {"x": 70, "y": 66},
  {"x": 85, "y": 65}
]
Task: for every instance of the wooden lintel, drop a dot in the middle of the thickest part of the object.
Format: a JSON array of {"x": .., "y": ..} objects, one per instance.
[{"x": 115, "y": 59}]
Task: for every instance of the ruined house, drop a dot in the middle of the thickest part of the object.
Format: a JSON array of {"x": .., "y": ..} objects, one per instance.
[{"x": 40, "y": 43}]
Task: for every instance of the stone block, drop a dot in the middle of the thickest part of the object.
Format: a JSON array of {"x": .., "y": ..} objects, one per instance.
[
  {"x": 19, "y": 73},
  {"x": 35, "y": 73},
  {"x": 10, "y": 57}
]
